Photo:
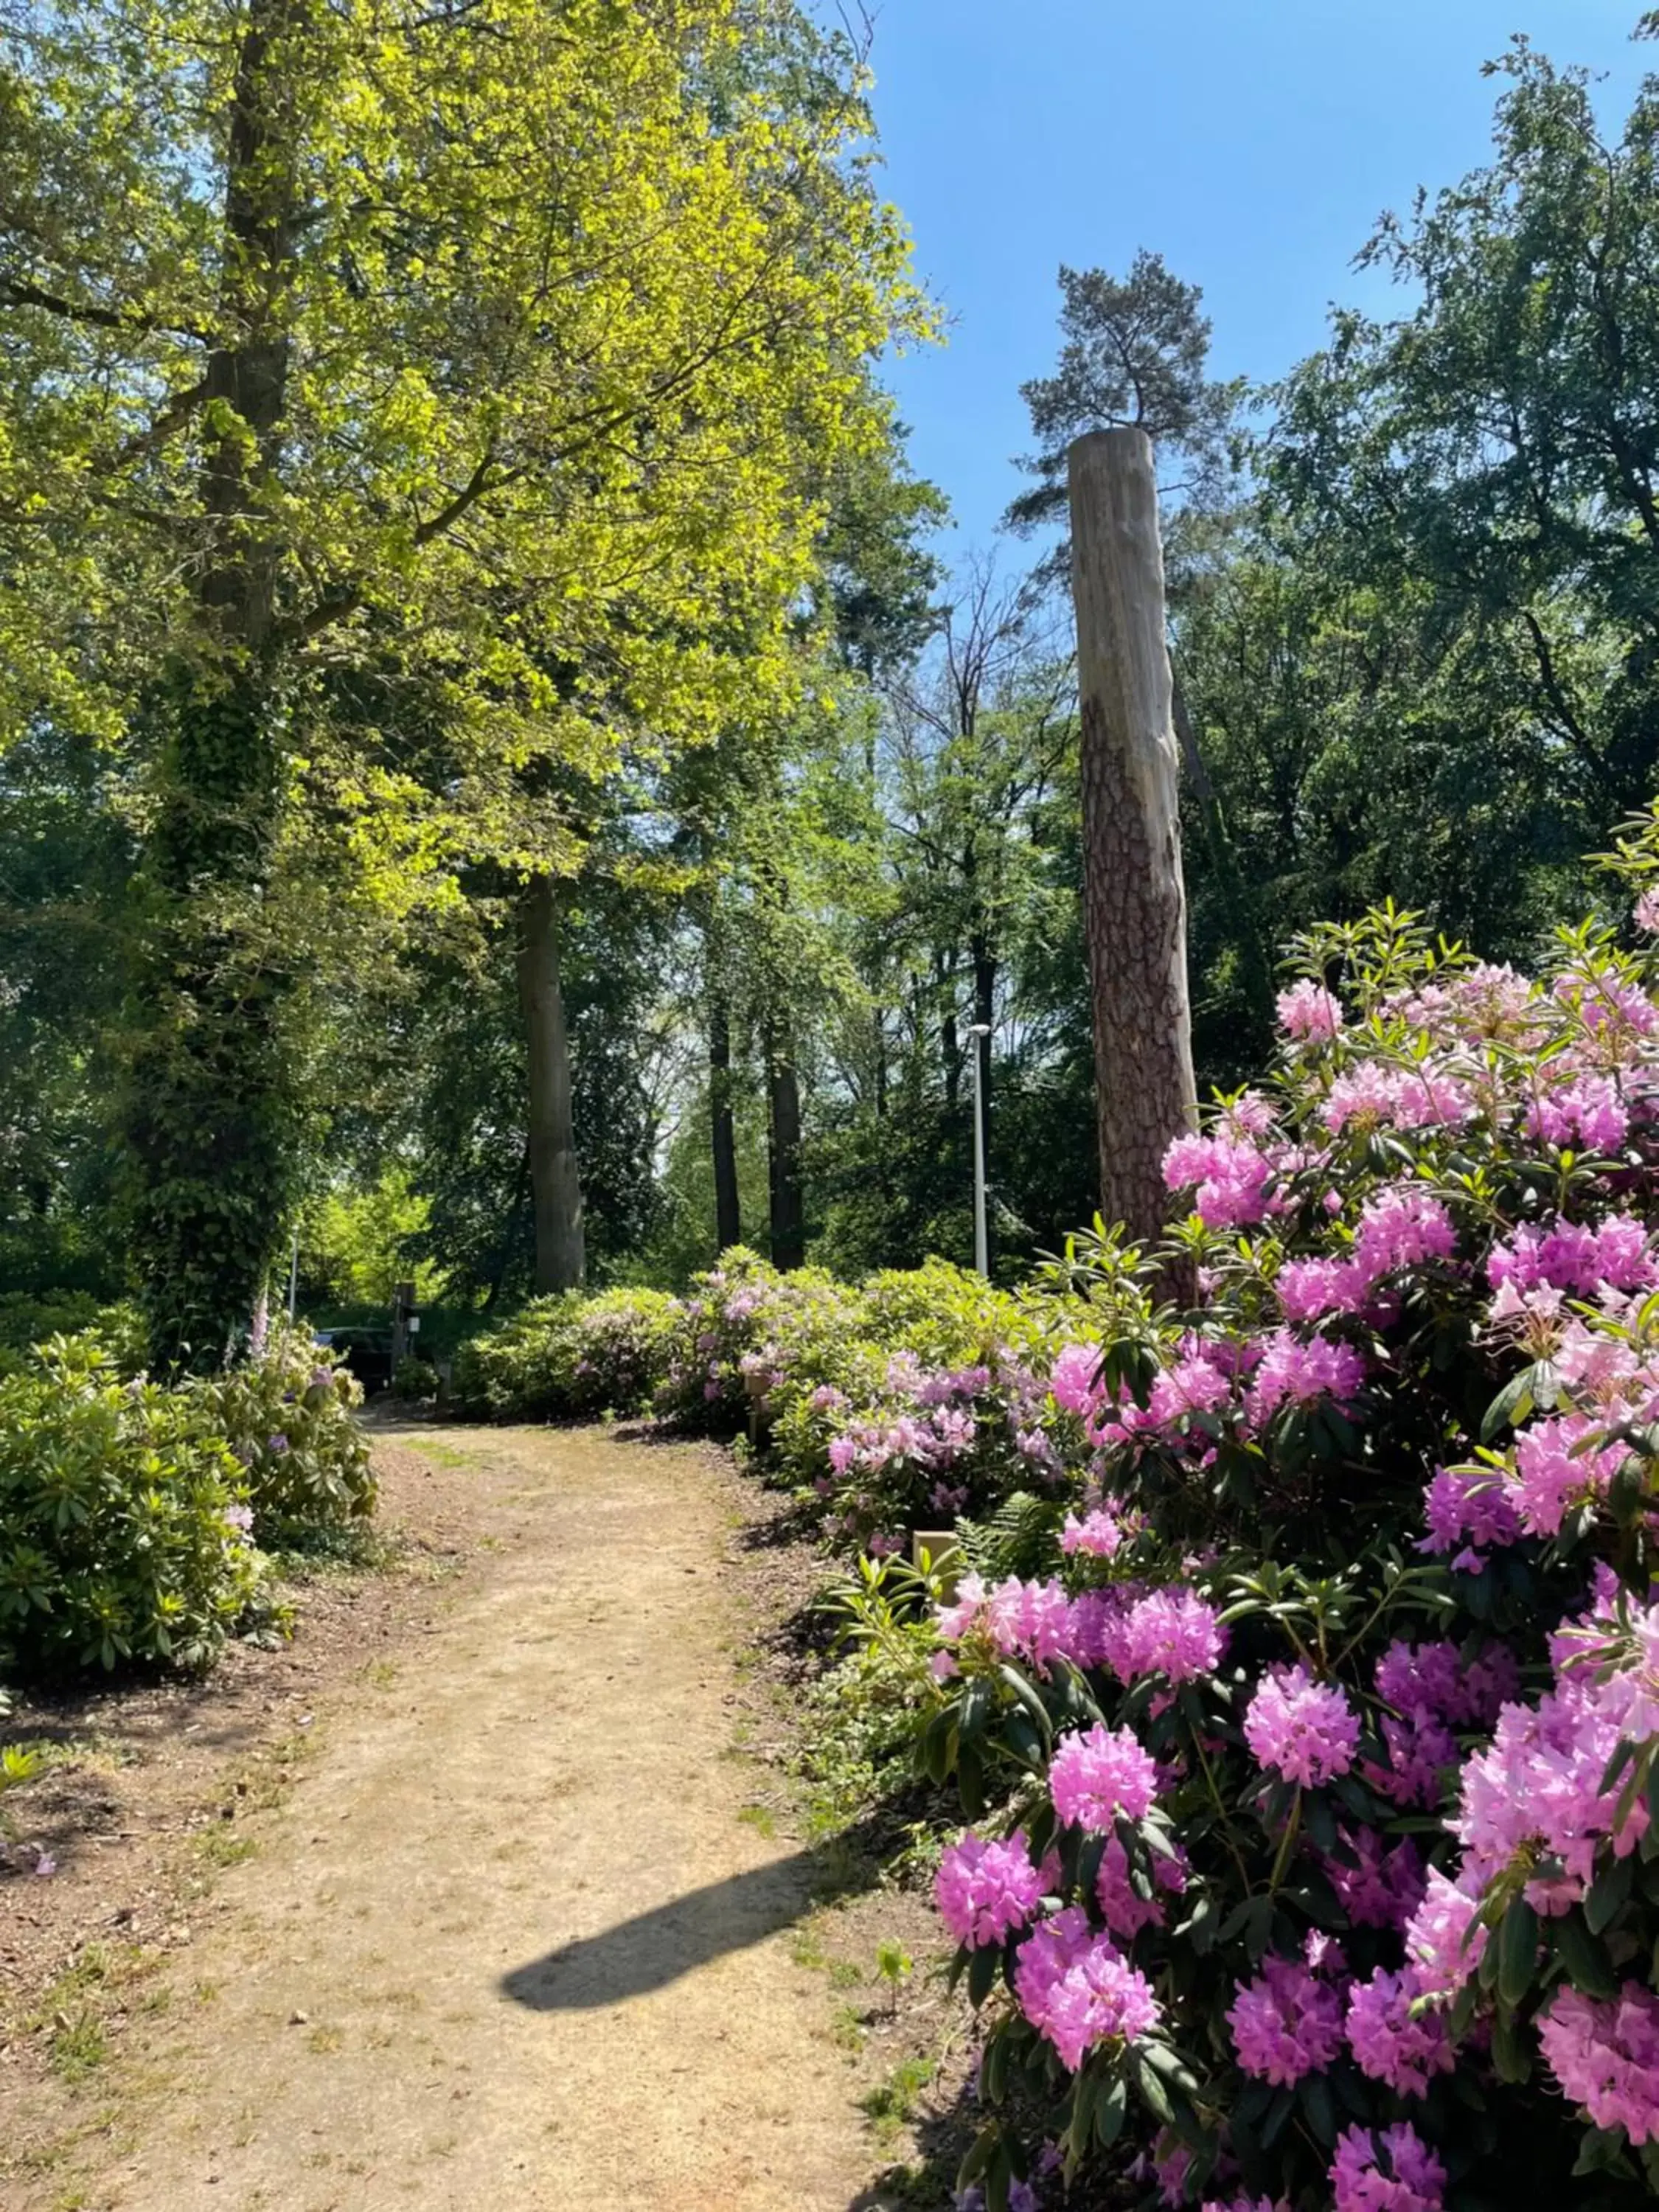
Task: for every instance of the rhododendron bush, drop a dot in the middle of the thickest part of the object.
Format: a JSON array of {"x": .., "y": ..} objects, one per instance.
[{"x": 1314, "y": 1859}]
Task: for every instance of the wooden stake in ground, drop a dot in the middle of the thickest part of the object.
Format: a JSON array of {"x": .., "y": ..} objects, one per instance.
[{"x": 1134, "y": 908}]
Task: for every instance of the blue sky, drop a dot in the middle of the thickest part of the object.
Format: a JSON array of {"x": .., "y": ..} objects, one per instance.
[{"x": 1252, "y": 143}]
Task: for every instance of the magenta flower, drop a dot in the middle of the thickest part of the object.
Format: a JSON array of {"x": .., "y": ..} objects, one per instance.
[
  {"x": 1606, "y": 2057},
  {"x": 984, "y": 1890},
  {"x": 1096, "y": 1776},
  {"x": 1386, "y": 2043},
  {"x": 1387, "y": 2169},
  {"x": 1444, "y": 1940},
  {"x": 1307, "y": 1010},
  {"x": 1304, "y": 1372},
  {"x": 1287, "y": 2023},
  {"x": 1078, "y": 1990},
  {"x": 1096, "y": 1533},
  {"x": 1305, "y": 1730}
]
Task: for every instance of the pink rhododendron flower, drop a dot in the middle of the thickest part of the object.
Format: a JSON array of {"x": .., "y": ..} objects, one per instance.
[
  {"x": 1538, "y": 1784},
  {"x": 1231, "y": 1174},
  {"x": 1305, "y": 1730},
  {"x": 1171, "y": 1632},
  {"x": 1386, "y": 2043},
  {"x": 1307, "y": 1010},
  {"x": 1078, "y": 1990},
  {"x": 1029, "y": 1620},
  {"x": 1443, "y": 1941},
  {"x": 1075, "y": 1379},
  {"x": 1094, "y": 1777},
  {"x": 1287, "y": 2023},
  {"x": 1588, "y": 1114},
  {"x": 1388, "y": 2170},
  {"x": 1606, "y": 2057},
  {"x": 1469, "y": 1507},
  {"x": 1554, "y": 1470},
  {"x": 1574, "y": 1257},
  {"x": 1097, "y": 1533},
  {"x": 984, "y": 1890},
  {"x": 1302, "y": 1373}
]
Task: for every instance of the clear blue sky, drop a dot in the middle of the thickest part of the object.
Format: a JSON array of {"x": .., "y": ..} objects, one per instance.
[{"x": 1252, "y": 143}]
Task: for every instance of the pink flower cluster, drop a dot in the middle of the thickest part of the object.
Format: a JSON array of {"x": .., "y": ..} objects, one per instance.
[
  {"x": 1305, "y": 1730},
  {"x": 1444, "y": 1941},
  {"x": 986, "y": 1890},
  {"x": 1078, "y": 1990},
  {"x": 1606, "y": 2057},
  {"x": 1388, "y": 2043},
  {"x": 1401, "y": 1228},
  {"x": 1230, "y": 1175},
  {"x": 1130, "y": 1632},
  {"x": 1096, "y": 1775},
  {"x": 1571, "y": 1256},
  {"x": 1308, "y": 1011},
  {"x": 1285, "y": 2023},
  {"x": 1387, "y": 2169},
  {"x": 1303, "y": 1371}
]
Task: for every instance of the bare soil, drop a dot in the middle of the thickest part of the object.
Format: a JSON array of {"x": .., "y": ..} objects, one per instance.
[{"x": 481, "y": 1893}]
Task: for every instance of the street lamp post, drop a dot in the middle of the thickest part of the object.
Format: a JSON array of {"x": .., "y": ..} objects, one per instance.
[{"x": 979, "y": 1032}]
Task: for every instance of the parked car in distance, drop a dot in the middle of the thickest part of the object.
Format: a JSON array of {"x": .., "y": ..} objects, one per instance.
[{"x": 366, "y": 1352}]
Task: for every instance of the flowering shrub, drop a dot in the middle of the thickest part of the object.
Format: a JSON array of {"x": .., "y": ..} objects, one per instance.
[
  {"x": 567, "y": 1356},
  {"x": 124, "y": 1521},
  {"x": 744, "y": 1330},
  {"x": 1314, "y": 1775},
  {"x": 289, "y": 1416}
]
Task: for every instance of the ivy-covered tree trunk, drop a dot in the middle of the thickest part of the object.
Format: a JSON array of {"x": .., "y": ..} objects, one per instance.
[
  {"x": 555, "y": 1175},
  {"x": 210, "y": 1113},
  {"x": 788, "y": 1207},
  {"x": 728, "y": 1215},
  {"x": 1134, "y": 901}
]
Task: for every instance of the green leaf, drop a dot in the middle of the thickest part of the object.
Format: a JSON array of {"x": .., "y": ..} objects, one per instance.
[{"x": 1517, "y": 1949}]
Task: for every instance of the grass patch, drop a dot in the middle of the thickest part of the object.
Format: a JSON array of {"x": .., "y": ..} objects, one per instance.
[
  {"x": 891, "y": 2105},
  {"x": 761, "y": 1819}
]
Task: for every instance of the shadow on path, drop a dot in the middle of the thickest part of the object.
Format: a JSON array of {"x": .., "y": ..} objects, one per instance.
[{"x": 657, "y": 1948}]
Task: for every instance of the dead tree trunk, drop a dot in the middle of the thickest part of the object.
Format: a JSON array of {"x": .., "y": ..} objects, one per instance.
[
  {"x": 1133, "y": 906},
  {"x": 554, "y": 1178},
  {"x": 728, "y": 1217}
]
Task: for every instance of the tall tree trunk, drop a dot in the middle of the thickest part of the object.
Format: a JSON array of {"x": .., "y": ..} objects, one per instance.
[
  {"x": 788, "y": 1210},
  {"x": 555, "y": 1179},
  {"x": 208, "y": 1113},
  {"x": 728, "y": 1217},
  {"x": 1134, "y": 903}
]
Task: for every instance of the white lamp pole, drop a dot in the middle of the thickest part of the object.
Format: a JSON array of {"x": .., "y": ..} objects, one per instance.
[{"x": 979, "y": 1032}]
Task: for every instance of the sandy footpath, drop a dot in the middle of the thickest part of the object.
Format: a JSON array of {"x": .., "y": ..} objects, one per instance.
[{"x": 508, "y": 1944}]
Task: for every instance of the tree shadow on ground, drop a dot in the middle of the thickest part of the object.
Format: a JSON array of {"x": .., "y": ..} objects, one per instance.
[{"x": 656, "y": 1948}]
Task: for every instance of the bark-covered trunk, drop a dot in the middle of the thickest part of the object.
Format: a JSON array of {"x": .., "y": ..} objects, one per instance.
[
  {"x": 555, "y": 1179},
  {"x": 728, "y": 1216},
  {"x": 788, "y": 1209},
  {"x": 208, "y": 1113},
  {"x": 1133, "y": 904}
]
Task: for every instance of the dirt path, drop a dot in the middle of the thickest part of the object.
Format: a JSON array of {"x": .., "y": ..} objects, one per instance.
[{"x": 508, "y": 1943}]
